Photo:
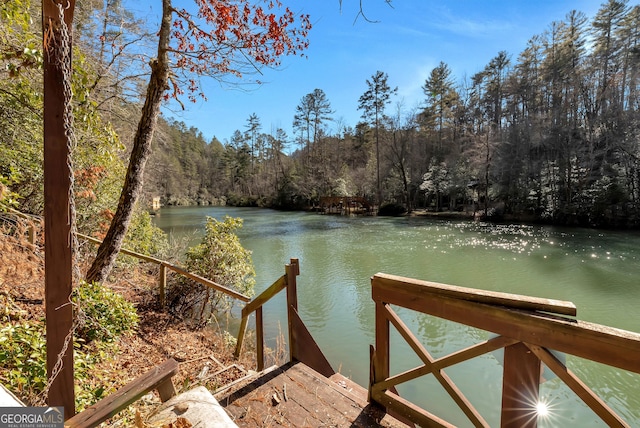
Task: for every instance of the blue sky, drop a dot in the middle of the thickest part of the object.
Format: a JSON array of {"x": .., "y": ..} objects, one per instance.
[{"x": 408, "y": 40}]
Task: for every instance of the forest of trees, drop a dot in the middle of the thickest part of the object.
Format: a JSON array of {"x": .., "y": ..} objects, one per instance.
[{"x": 551, "y": 134}]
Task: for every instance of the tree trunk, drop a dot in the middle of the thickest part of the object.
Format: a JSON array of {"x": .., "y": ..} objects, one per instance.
[{"x": 158, "y": 84}]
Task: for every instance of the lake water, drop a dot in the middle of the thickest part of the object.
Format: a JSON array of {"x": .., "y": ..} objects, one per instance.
[{"x": 597, "y": 270}]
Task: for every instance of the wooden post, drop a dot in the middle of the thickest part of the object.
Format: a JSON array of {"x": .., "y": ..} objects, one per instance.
[
  {"x": 166, "y": 390},
  {"x": 162, "y": 283},
  {"x": 241, "y": 333},
  {"x": 520, "y": 387},
  {"x": 259, "y": 339},
  {"x": 32, "y": 233},
  {"x": 57, "y": 212},
  {"x": 382, "y": 352},
  {"x": 292, "y": 270}
]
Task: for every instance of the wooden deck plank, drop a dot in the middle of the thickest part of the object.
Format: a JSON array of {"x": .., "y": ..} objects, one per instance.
[
  {"x": 320, "y": 398},
  {"x": 311, "y": 400}
]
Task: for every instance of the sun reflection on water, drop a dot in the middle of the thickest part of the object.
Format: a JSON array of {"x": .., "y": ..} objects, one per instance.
[{"x": 542, "y": 409}]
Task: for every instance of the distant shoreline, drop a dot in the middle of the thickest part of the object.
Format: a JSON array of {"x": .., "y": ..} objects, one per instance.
[{"x": 442, "y": 214}]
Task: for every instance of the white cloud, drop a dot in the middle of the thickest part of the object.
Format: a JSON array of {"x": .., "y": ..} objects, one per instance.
[{"x": 472, "y": 28}]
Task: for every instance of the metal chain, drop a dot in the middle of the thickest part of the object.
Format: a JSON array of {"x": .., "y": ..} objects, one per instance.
[{"x": 65, "y": 58}]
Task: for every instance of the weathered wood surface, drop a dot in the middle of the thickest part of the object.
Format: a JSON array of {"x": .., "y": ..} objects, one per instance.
[
  {"x": 157, "y": 378},
  {"x": 58, "y": 251},
  {"x": 304, "y": 347},
  {"x": 294, "y": 395},
  {"x": 421, "y": 289},
  {"x": 575, "y": 337},
  {"x": 529, "y": 327},
  {"x": 256, "y": 305},
  {"x": 520, "y": 382}
]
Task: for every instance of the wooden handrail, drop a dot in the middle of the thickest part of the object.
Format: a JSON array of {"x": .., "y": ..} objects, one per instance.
[
  {"x": 302, "y": 346},
  {"x": 158, "y": 378},
  {"x": 23, "y": 215},
  {"x": 163, "y": 264},
  {"x": 123, "y": 250},
  {"x": 256, "y": 306},
  {"x": 424, "y": 289},
  {"x": 579, "y": 338},
  {"x": 527, "y": 327},
  {"x": 208, "y": 283},
  {"x": 30, "y": 218},
  {"x": 265, "y": 296}
]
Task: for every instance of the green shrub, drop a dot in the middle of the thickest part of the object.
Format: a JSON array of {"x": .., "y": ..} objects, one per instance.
[
  {"x": 23, "y": 356},
  {"x": 102, "y": 314},
  {"x": 8, "y": 199},
  {"x": 143, "y": 236},
  {"x": 91, "y": 385},
  {"x": 221, "y": 258},
  {"x": 23, "y": 363}
]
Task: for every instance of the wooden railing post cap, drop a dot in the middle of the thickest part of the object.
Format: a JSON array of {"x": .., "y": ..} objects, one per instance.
[{"x": 295, "y": 264}]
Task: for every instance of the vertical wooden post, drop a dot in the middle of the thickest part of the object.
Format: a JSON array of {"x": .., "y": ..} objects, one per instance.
[
  {"x": 241, "y": 333},
  {"x": 292, "y": 270},
  {"x": 382, "y": 352},
  {"x": 32, "y": 233},
  {"x": 259, "y": 339},
  {"x": 520, "y": 387},
  {"x": 380, "y": 355},
  {"x": 57, "y": 212},
  {"x": 162, "y": 283}
]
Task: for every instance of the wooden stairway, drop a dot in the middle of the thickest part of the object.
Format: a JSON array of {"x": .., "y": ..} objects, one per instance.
[{"x": 294, "y": 395}]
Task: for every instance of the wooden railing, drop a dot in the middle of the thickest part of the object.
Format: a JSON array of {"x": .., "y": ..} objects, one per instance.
[
  {"x": 164, "y": 265},
  {"x": 33, "y": 221},
  {"x": 158, "y": 378},
  {"x": 527, "y": 328},
  {"x": 302, "y": 347},
  {"x": 162, "y": 276}
]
